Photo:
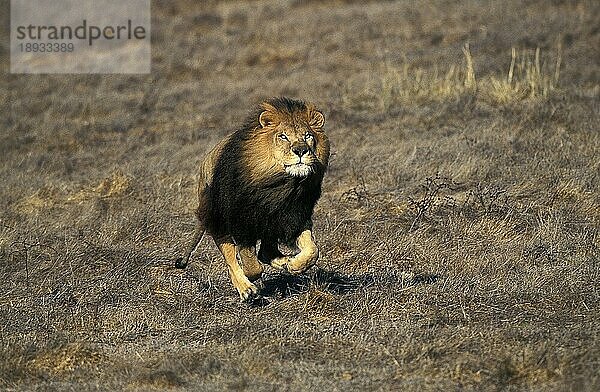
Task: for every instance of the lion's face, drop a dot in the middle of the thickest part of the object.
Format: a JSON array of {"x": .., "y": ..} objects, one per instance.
[
  {"x": 290, "y": 143},
  {"x": 295, "y": 148}
]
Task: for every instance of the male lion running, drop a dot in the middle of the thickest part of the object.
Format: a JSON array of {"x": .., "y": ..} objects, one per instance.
[{"x": 262, "y": 183}]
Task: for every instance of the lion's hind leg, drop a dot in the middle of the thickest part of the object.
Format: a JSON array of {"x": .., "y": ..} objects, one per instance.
[
  {"x": 269, "y": 254},
  {"x": 246, "y": 289},
  {"x": 250, "y": 264}
]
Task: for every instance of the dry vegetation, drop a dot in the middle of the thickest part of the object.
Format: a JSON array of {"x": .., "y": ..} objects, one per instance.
[{"x": 459, "y": 223}]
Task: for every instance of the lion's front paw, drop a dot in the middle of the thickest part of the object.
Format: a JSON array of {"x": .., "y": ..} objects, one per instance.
[
  {"x": 299, "y": 264},
  {"x": 292, "y": 265},
  {"x": 280, "y": 262},
  {"x": 297, "y": 268},
  {"x": 248, "y": 293}
]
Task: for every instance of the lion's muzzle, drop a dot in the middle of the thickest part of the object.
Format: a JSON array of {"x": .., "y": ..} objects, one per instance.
[{"x": 299, "y": 170}]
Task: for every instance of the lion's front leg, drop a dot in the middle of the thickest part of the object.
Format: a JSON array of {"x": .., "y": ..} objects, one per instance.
[
  {"x": 309, "y": 253},
  {"x": 308, "y": 256},
  {"x": 246, "y": 289},
  {"x": 250, "y": 264}
]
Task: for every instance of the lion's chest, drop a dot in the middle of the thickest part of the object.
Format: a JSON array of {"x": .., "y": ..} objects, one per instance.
[{"x": 280, "y": 212}]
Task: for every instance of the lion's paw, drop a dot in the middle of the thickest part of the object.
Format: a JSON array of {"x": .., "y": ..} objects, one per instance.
[
  {"x": 290, "y": 268},
  {"x": 249, "y": 293},
  {"x": 280, "y": 262}
]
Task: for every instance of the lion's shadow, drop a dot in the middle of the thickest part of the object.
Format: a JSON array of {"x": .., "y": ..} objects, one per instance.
[{"x": 281, "y": 285}]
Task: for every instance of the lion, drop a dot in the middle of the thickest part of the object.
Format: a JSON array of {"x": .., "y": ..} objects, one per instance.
[{"x": 261, "y": 183}]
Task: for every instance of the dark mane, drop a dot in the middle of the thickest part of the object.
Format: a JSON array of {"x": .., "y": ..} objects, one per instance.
[
  {"x": 277, "y": 208},
  {"x": 283, "y": 105}
]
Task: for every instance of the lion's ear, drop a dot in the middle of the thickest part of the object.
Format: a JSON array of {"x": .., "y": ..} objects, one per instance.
[
  {"x": 267, "y": 118},
  {"x": 317, "y": 120}
]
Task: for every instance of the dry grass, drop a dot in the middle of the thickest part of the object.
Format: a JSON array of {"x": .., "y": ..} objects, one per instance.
[
  {"x": 528, "y": 78},
  {"x": 459, "y": 224}
]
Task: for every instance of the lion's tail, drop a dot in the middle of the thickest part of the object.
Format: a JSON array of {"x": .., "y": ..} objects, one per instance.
[{"x": 182, "y": 262}]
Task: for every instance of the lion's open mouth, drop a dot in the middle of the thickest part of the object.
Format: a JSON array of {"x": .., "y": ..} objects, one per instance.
[{"x": 298, "y": 170}]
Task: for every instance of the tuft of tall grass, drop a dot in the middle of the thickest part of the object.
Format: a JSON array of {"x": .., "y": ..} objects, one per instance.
[
  {"x": 530, "y": 76},
  {"x": 406, "y": 84}
]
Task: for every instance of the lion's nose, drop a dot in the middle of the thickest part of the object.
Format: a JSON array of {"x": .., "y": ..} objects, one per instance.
[{"x": 300, "y": 150}]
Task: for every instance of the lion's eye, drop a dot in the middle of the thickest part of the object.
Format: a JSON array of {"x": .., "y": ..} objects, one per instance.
[
  {"x": 284, "y": 137},
  {"x": 308, "y": 136}
]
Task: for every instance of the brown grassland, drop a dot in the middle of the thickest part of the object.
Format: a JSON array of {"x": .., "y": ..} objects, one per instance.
[{"x": 459, "y": 225}]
